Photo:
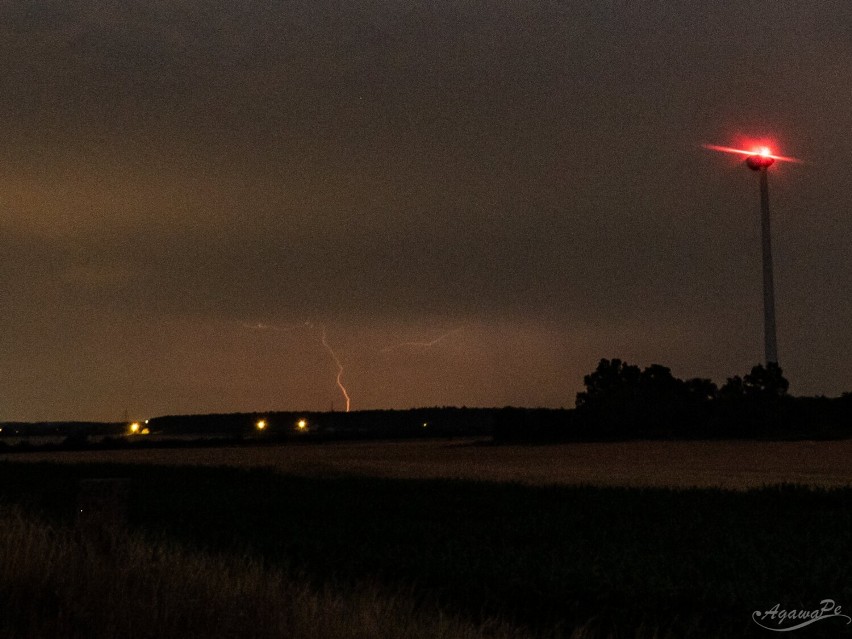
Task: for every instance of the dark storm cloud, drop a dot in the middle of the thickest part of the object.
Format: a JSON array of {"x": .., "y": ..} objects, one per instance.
[{"x": 379, "y": 163}]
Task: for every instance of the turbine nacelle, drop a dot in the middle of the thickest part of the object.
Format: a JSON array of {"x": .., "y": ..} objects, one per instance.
[{"x": 760, "y": 160}]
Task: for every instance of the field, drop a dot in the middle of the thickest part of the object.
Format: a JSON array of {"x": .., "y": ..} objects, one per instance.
[
  {"x": 442, "y": 538},
  {"x": 55, "y": 586},
  {"x": 721, "y": 464}
]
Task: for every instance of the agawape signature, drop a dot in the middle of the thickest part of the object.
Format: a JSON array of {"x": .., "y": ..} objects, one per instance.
[{"x": 780, "y": 620}]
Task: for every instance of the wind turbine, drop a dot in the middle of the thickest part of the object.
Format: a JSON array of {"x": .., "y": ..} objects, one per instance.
[{"x": 760, "y": 159}]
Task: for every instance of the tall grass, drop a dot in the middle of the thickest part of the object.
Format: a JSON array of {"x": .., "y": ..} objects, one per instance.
[
  {"x": 53, "y": 583},
  {"x": 691, "y": 563}
]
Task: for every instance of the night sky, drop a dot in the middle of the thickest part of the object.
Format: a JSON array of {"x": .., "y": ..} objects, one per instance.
[{"x": 476, "y": 201}]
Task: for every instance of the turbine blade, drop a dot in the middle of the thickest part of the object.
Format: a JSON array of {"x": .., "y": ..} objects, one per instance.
[{"x": 728, "y": 149}]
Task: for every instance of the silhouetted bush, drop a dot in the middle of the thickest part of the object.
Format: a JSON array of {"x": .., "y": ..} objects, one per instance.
[{"x": 623, "y": 402}]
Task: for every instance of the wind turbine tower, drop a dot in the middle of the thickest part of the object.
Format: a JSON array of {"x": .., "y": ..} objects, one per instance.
[
  {"x": 760, "y": 163},
  {"x": 759, "y": 160}
]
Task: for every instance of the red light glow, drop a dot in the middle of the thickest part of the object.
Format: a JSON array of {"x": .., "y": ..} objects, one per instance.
[{"x": 763, "y": 152}]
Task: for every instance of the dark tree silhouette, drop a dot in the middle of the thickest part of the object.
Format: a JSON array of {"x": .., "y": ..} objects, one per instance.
[
  {"x": 732, "y": 389},
  {"x": 701, "y": 390},
  {"x": 621, "y": 400},
  {"x": 766, "y": 383},
  {"x": 658, "y": 380},
  {"x": 762, "y": 383},
  {"x": 613, "y": 382}
]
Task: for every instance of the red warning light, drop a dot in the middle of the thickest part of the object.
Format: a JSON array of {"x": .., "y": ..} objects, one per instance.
[{"x": 758, "y": 158}]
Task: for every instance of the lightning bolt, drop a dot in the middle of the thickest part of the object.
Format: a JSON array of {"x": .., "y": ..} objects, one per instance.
[
  {"x": 323, "y": 339},
  {"x": 339, "y": 368},
  {"x": 440, "y": 338}
]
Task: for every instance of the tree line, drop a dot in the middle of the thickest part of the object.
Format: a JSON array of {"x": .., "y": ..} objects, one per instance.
[
  {"x": 622, "y": 401},
  {"x": 619, "y": 401}
]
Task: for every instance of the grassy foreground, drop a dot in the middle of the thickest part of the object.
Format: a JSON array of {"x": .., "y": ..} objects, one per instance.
[
  {"x": 557, "y": 561},
  {"x": 55, "y": 585}
]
